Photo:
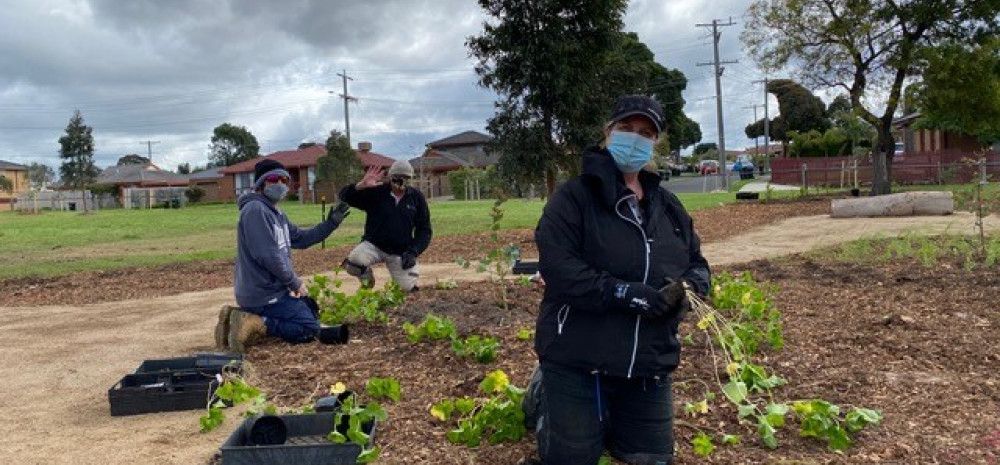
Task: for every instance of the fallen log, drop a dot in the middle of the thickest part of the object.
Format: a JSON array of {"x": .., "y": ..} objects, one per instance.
[{"x": 903, "y": 204}]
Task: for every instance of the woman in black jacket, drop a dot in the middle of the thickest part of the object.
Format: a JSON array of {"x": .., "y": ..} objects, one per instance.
[{"x": 616, "y": 253}]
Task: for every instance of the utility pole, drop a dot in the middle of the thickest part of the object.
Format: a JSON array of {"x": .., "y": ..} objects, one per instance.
[
  {"x": 347, "y": 99},
  {"x": 755, "y": 139},
  {"x": 767, "y": 122},
  {"x": 149, "y": 149},
  {"x": 717, "y": 64}
]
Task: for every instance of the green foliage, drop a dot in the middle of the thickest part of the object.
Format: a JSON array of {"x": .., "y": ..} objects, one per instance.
[
  {"x": 368, "y": 305},
  {"x": 744, "y": 320},
  {"x": 525, "y": 334},
  {"x": 489, "y": 183},
  {"x": 384, "y": 388},
  {"x": 960, "y": 89},
  {"x": 702, "y": 444},
  {"x": 340, "y": 166},
  {"x": 194, "y": 194},
  {"x": 40, "y": 175},
  {"x": 6, "y": 185},
  {"x": 445, "y": 284},
  {"x": 76, "y": 149},
  {"x": 497, "y": 417},
  {"x": 482, "y": 349},
  {"x": 833, "y": 142},
  {"x": 232, "y": 144},
  {"x": 499, "y": 258},
  {"x": 433, "y": 328},
  {"x": 706, "y": 147},
  {"x": 357, "y": 417},
  {"x": 233, "y": 390}
]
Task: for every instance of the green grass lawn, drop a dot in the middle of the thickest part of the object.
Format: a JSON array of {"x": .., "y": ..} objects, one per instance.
[{"x": 59, "y": 243}]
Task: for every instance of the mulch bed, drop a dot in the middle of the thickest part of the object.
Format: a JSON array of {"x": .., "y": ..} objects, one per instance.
[
  {"x": 917, "y": 343},
  {"x": 713, "y": 224}
]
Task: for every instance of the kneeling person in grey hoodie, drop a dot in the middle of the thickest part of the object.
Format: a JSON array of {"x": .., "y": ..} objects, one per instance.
[{"x": 267, "y": 288}]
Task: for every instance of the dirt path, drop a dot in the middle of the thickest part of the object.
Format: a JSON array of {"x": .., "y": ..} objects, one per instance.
[{"x": 59, "y": 361}]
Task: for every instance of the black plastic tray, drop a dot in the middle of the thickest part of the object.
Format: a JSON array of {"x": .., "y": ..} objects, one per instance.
[
  {"x": 165, "y": 391},
  {"x": 521, "y": 267},
  {"x": 306, "y": 445},
  {"x": 208, "y": 362}
]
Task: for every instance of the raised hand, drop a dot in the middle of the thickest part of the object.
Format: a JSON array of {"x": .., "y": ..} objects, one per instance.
[{"x": 373, "y": 177}]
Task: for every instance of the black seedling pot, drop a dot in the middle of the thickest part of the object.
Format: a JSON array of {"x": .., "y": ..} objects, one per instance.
[
  {"x": 331, "y": 403},
  {"x": 855, "y": 192},
  {"x": 266, "y": 430},
  {"x": 334, "y": 334}
]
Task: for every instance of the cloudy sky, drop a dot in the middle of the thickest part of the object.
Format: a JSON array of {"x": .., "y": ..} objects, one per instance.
[{"x": 170, "y": 71}]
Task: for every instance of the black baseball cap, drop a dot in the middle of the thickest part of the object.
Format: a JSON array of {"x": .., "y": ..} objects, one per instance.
[{"x": 629, "y": 105}]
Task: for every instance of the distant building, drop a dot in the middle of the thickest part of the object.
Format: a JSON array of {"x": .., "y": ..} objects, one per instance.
[
  {"x": 463, "y": 150},
  {"x": 141, "y": 176},
  {"x": 301, "y": 165},
  {"x": 922, "y": 140},
  {"x": 18, "y": 176},
  {"x": 208, "y": 181}
]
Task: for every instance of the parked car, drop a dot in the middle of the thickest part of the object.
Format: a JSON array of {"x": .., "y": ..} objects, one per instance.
[
  {"x": 742, "y": 165},
  {"x": 706, "y": 167}
]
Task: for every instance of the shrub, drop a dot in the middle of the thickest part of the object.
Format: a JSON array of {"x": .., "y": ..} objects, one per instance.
[{"x": 194, "y": 194}]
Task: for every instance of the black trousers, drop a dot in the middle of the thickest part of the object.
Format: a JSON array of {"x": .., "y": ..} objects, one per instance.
[{"x": 582, "y": 414}]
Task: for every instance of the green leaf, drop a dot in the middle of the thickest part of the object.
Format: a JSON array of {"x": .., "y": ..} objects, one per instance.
[
  {"x": 212, "y": 419},
  {"x": 859, "y": 418},
  {"x": 604, "y": 460},
  {"x": 369, "y": 455},
  {"x": 525, "y": 334},
  {"x": 443, "y": 410},
  {"x": 735, "y": 391},
  {"x": 766, "y": 432},
  {"x": 464, "y": 405},
  {"x": 495, "y": 381},
  {"x": 775, "y": 414},
  {"x": 745, "y": 410},
  {"x": 702, "y": 444},
  {"x": 384, "y": 388},
  {"x": 336, "y": 438},
  {"x": 730, "y": 439}
]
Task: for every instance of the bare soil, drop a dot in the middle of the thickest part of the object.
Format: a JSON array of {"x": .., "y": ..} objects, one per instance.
[
  {"x": 903, "y": 339},
  {"x": 133, "y": 283}
]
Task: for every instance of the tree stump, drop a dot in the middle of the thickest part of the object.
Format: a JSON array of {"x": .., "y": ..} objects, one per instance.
[{"x": 904, "y": 204}]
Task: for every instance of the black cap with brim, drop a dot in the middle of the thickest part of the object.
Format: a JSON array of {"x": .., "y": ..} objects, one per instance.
[{"x": 632, "y": 105}]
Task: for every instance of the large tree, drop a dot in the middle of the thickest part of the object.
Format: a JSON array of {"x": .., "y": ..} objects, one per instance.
[
  {"x": 340, "y": 166},
  {"x": 133, "y": 159},
  {"x": 960, "y": 89},
  {"x": 799, "y": 110},
  {"x": 184, "y": 168},
  {"x": 40, "y": 175},
  {"x": 866, "y": 47},
  {"x": 76, "y": 149},
  {"x": 558, "y": 67},
  {"x": 232, "y": 144}
]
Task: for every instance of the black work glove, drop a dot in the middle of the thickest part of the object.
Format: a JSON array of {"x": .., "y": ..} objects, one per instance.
[
  {"x": 675, "y": 295},
  {"x": 338, "y": 213},
  {"x": 408, "y": 260},
  {"x": 638, "y": 298}
]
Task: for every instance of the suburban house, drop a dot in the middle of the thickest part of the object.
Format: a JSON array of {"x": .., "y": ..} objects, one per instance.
[
  {"x": 18, "y": 176},
  {"x": 301, "y": 164},
  {"x": 922, "y": 140},
  {"x": 140, "y": 176},
  {"x": 208, "y": 181},
  {"x": 463, "y": 150}
]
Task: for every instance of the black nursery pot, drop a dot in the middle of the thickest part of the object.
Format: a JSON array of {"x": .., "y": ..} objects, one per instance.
[
  {"x": 855, "y": 192},
  {"x": 331, "y": 403},
  {"x": 334, "y": 334},
  {"x": 267, "y": 430}
]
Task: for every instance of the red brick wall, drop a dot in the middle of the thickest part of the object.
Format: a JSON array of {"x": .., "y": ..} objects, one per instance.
[{"x": 227, "y": 188}]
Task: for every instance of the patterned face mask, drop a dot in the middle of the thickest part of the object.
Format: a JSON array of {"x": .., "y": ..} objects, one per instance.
[{"x": 276, "y": 192}]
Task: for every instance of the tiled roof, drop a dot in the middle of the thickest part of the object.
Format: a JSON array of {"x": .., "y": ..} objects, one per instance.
[
  {"x": 145, "y": 174},
  {"x": 463, "y": 138},
  {"x": 307, "y": 157},
  {"x": 206, "y": 175},
  {"x": 6, "y": 165}
]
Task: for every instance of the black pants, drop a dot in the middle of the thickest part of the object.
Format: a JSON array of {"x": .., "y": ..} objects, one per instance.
[{"x": 582, "y": 414}]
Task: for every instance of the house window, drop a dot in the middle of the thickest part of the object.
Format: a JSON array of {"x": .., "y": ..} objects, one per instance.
[
  {"x": 244, "y": 182},
  {"x": 311, "y": 176}
]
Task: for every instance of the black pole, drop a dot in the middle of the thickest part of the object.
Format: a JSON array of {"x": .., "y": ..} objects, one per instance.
[{"x": 322, "y": 218}]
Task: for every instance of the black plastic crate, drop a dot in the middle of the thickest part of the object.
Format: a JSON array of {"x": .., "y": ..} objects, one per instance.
[
  {"x": 306, "y": 444},
  {"x": 206, "y": 362},
  {"x": 522, "y": 267},
  {"x": 165, "y": 391}
]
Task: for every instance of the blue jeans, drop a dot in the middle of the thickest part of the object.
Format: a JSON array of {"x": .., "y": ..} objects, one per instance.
[
  {"x": 582, "y": 414},
  {"x": 289, "y": 318}
]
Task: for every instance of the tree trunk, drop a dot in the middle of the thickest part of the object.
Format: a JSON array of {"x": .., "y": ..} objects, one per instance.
[
  {"x": 550, "y": 181},
  {"x": 881, "y": 155}
]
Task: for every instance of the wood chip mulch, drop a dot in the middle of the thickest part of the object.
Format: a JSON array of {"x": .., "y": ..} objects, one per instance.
[{"x": 918, "y": 344}]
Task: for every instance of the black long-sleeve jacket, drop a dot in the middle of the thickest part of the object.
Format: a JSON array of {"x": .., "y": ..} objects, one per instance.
[
  {"x": 394, "y": 227},
  {"x": 589, "y": 240}
]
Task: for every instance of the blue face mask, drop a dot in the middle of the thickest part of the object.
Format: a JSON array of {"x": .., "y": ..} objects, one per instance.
[
  {"x": 276, "y": 192},
  {"x": 630, "y": 150}
]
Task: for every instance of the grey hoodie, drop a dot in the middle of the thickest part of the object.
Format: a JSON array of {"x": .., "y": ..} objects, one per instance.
[{"x": 264, "y": 239}]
